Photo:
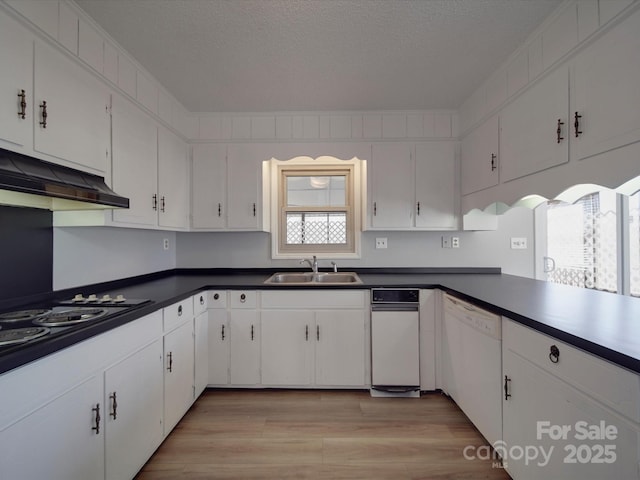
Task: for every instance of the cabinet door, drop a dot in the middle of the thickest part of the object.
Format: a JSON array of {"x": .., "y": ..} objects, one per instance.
[
  {"x": 479, "y": 157},
  {"x": 528, "y": 128},
  {"x": 173, "y": 181},
  {"x": 201, "y": 329},
  {"x": 540, "y": 401},
  {"x": 606, "y": 93},
  {"x": 392, "y": 180},
  {"x": 133, "y": 413},
  {"x": 16, "y": 54},
  {"x": 244, "y": 367},
  {"x": 340, "y": 348},
  {"x": 244, "y": 186},
  {"x": 435, "y": 183},
  {"x": 178, "y": 374},
  {"x": 57, "y": 441},
  {"x": 209, "y": 184},
  {"x": 218, "y": 347},
  {"x": 77, "y": 128},
  {"x": 287, "y": 347},
  {"x": 135, "y": 163}
]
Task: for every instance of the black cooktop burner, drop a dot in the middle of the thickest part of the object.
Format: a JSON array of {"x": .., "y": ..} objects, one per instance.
[
  {"x": 70, "y": 316},
  {"x": 21, "y": 335}
]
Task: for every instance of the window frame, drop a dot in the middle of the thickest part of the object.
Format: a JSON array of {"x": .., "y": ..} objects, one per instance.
[{"x": 355, "y": 177}]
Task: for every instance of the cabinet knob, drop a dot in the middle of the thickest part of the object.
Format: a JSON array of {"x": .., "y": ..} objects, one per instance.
[
  {"x": 219, "y": 209},
  {"x": 179, "y": 310},
  {"x": 201, "y": 300},
  {"x": 216, "y": 296},
  {"x": 162, "y": 204},
  {"x": 493, "y": 162},
  {"x": 418, "y": 208},
  {"x": 222, "y": 333},
  {"x": 170, "y": 366},
  {"x": 154, "y": 201},
  {"x": 243, "y": 298},
  {"x": 554, "y": 354}
]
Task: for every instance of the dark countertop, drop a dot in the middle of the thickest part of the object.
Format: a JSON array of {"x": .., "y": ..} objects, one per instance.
[{"x": 604, "y": 324}]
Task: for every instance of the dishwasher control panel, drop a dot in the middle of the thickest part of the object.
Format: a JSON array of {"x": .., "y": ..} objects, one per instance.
[{"x": 395, "y": 295}]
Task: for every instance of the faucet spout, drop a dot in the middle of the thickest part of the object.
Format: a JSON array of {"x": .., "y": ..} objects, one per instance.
[{"x": 312, "y": 263}]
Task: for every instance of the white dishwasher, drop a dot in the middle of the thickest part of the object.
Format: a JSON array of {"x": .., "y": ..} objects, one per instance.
[
  {"x": 472, "y": 364},
  {"x": 395, "y": 342}
]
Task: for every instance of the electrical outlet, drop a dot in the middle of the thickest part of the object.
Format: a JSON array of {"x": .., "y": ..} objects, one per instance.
[
  {"x": 519, "y": 243},
  {"x": 446, "y": 242},
  {"x": 381, "y": 242},
  {"x": 455, "y": 242},
  {"x": 165, "y": 244}
]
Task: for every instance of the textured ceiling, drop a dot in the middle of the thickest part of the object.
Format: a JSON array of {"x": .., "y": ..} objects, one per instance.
[{"x": 292, "y": 55}]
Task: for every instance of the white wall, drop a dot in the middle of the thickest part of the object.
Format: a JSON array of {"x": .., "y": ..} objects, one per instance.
[
  {"x": 406, "y": 249},
  {"x": 86, "y": 255}
]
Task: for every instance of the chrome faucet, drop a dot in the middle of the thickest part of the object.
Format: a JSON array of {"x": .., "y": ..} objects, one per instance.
[
  {"x": 313, "y": 264},
  {"x": 335, "y": 267}
]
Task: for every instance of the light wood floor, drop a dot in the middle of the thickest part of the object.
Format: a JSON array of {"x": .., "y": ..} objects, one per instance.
[{"x": 317, "y": 434}]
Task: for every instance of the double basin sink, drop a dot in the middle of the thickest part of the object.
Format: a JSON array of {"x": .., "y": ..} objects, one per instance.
[{"x": 310, "y": 278}]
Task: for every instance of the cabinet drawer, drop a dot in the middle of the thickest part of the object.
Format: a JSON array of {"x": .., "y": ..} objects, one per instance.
[
  {"x": 216, "y": 299},
  {"x": 314, "y": 299},
  {"x": 243, "y": 299},
  {"x": 608, "y": 383},
  {"x": 177, "y": 314},
  {"x": 200, "y": 301}
]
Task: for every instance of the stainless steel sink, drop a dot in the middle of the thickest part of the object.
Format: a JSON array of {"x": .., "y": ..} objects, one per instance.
[{"x": 309, "y": 278}]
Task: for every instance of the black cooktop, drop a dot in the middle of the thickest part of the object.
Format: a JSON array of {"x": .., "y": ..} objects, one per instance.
[{"x": 23, "y": 327}]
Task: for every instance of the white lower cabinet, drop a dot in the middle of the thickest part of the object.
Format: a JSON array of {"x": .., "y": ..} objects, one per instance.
[
  {"x": 244, "y": 343},
  {"x": 201, "y": 333},
  {"x": 179, "y": 367},
  {"x": 57, "y": 419},
  {"x": 133, "y": 411},
  {"x": 58, "y": 441},
  {"x": 287, "y": 347},
  {"x": 218, "y": 347},
  {"x": 314, "y": 338},
  {"x": 340, "y": 348},
  {"x": 563, "y": 431}
]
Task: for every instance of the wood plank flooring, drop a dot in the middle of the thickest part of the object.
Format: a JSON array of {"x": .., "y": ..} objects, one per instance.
[{"x": 318, "y": 434}]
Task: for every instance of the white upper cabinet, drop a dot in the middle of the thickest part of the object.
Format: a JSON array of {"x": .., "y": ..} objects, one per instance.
[
  {"x": 535, "y": 128},
  {"x": 435, "y": 181},
  {"x": 227, "y": 187},
  {"x": 173, "y": 181},
  {"x": 413, "y": 186},
  {"x": 209, "y": 186},
  {"x": 135, "y": 163},
  {"x": 605, "y": 92},
  {"x": 16, "y": 55},
  {"x": 244, "y": 186},
  {"x": 76, "y": 126},
  {"x": 151, "y": 168},
  {"x": 479, "y": 157},
  {"x": 391, "y": 173}
]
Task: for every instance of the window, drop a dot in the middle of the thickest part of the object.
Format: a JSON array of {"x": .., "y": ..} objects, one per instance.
[
  {"x": 316, "y": 207},
  {"x": 582, "y": 242},
  {"x": 593, "y": 242}
]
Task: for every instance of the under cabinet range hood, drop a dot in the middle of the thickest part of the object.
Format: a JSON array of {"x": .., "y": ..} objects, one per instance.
[{"x": 30, "y": 182}]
